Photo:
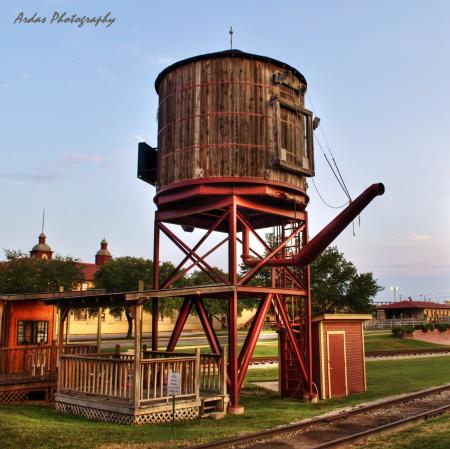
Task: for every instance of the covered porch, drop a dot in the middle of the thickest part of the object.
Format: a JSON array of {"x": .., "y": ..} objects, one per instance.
[{"x": 132, "y": 387}]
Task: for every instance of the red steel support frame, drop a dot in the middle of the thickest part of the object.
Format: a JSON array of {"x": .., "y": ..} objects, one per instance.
[
  {"x": 232, "y": 214},
  {"x": 233, "y": 367},
  {"x": 155, "y": 305},
  {"x": 181, "y": 321},
  {"x": 252, "y": 337},
  {"x": 209, "y": 330}
]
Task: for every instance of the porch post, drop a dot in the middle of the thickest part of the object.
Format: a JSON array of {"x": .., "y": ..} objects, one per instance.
[
  {"x": 137, "y": 356},
  {"x": 1, "y": 322},
  {"x": 223, "y": 386},
  {"x": 63, "y": 314},
  {"x": 99, "y": 329},
  {"x": 67, "y": 328},
  {"x": 197, "y": 373}
]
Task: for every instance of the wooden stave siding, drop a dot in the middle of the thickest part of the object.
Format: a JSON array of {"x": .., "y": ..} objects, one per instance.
[
  {"x": 178, "y": 102},
  {"x": 354, "y": 354}
]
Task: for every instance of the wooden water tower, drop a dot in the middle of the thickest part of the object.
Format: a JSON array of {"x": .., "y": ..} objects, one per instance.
[{"x": 235, "y": 148}]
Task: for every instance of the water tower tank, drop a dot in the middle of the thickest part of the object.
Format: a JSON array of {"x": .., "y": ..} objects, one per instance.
[{"x": 233, "y": 117}]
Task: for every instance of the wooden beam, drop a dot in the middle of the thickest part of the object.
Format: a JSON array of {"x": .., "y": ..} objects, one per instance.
[
  {"x": 136, "y": 389},
  {"x": 99, "y": 329}
]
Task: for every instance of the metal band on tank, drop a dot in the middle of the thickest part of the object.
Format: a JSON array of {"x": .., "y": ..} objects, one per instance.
[
  {"x": 193, "y": 86},
  {"x": 215, "y": 145},
  {"x": 214, "y": 113}
]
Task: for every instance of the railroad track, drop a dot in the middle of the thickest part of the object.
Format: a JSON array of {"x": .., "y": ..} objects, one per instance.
[
  {"x": 346, "y": 427},
  {"x": 369, "y": 354}
]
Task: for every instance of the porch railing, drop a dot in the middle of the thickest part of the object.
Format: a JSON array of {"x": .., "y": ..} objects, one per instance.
[
  {"x": 111, "y": 375},
  {"x": 155, "y": 374},
  {"x": 35, "y": 360},
  {"x": 96, "y": 375},
  {"x": 212, "y": 372}
]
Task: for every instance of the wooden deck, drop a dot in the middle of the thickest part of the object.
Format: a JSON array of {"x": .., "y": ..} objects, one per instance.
[
  {"x": 28, "y": 369},
  {"x": 110, "y": 387}
]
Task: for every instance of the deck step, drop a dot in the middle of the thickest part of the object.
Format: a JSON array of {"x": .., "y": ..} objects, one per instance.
[{"x": 213, "y": 408}]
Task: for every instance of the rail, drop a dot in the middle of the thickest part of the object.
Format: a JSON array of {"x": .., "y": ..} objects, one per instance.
[
  {"x": 111, "y": 375},
  {"x": 95, "y": 375},
  {"x": 212, "y": 369},
  {"x": 35, "y": 360},
  {"x": 155, "y": 374},
  {"x": 389, "y": 324}
]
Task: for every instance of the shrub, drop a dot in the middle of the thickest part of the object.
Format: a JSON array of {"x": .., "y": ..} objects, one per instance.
[
  {"x": 409, "y": 329},
  {"x": 425, "y": 327},
  {"x": 441, "y": 327},
  {"x": 398, "y": 331}
]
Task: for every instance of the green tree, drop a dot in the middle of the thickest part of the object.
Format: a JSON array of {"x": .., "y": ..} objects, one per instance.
[
  {"x": 218, "y": 307},
  {"x": 123, "y": 275},
  {"x": 23, "y": 274},
  {"x": 337, "y": 287}
]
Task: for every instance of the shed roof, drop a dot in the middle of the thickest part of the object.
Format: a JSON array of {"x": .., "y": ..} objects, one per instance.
[
  {"x": 342, "y": 317},
  {"x": 414, "y": 305}
]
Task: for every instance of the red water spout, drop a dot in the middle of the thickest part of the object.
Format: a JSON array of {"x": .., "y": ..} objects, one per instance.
[{"x": 321, "y": 241}]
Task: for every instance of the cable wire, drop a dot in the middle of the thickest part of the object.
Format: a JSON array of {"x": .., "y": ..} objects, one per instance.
[{"x": 327, "y": 204}]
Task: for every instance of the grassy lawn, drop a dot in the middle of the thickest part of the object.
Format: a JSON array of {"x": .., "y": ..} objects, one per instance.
[
  {"x": 386, "y": 342},
  {"x": 374, "y": 341},
  {"x": 33, "y": 427},
  {"x": 434, "y": 434}
]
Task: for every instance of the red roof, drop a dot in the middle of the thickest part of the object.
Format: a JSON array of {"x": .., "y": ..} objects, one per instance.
[
  {"x": 414, "y": 305},
  {"x": 88, "y": 270}
]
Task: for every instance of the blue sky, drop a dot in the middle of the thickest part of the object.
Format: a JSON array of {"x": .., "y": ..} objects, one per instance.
[{"x": 74, "y": 102}]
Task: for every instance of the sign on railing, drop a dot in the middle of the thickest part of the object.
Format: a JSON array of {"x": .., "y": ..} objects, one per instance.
[{"x": 174, "y": 384}]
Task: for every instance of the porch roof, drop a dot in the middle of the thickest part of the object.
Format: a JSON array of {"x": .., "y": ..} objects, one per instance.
[
  {"x": 50, "y": 295},
  {"x": 139, "y": 297}
]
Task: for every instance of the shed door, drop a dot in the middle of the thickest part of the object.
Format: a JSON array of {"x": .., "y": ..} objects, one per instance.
[{"x": 336, "y": 365}]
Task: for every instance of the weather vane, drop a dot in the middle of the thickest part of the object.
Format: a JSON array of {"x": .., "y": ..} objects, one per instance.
[{"x": 231, "y": 37}]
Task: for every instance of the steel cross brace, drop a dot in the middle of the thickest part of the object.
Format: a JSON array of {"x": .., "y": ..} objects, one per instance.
[
  {"x": 252, "y": 337},
  {"x": 179, "y": 324},
  {"x": 269, "y": 256},
  {"x": 207, "y": 327},
  {"x": 202, "y": 264},
  {"x": 173, "y": 277},
  {"x": 282, "y": 313}
]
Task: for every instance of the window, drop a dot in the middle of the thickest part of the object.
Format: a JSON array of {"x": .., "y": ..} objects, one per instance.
[
  {"x": 293, "y": 137},
  {"x": 80, "y": 314},
  {"x": 32, "y": 332}
]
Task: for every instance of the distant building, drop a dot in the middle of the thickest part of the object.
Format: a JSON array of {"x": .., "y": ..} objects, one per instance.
[
  {"x": 43, "y": 251},
  {"x": 26, "y": 319},
  {"x": 418, "y": 310}
]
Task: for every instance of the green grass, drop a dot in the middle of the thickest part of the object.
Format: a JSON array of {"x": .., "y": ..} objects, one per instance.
[
  {"x": 266, "y": 349},
  {"x": 434, "y": 434},
  {"x": 35, "y": 427},
  {"x": 386, "y": 342}
]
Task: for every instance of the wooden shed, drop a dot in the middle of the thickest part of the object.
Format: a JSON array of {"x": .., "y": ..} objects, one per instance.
[{"x": 338, "y": 354}]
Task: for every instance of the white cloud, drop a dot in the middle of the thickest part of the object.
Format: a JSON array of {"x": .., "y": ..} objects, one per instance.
[
  {"x": 138, "y": 138},
  {"x": 419, "y": 237},
  {"x": 80, "y": 157},
  {"x": 24, "y": 75}
]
